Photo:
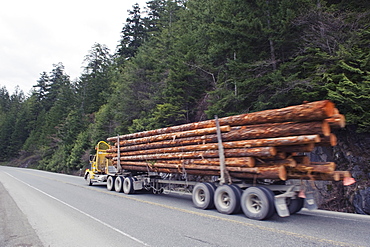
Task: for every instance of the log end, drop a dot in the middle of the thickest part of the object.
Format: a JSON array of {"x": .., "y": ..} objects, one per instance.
[{"x": 282, "y": 173}]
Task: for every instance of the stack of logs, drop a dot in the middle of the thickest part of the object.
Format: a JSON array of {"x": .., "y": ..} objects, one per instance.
[{"x": 270, "y": 144}]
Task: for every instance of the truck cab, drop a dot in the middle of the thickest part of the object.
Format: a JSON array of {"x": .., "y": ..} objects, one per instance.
[{"x": 100, "y": 166}]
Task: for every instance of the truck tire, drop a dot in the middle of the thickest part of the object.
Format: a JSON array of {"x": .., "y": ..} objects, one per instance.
[
  {"x": 128, "y": 185},
  {"x": 202, "y": 196},
  {"x": 227, "y": 199},
  {"x": 271, "y": 198},
  {"x": 118, "y": 184},
  {"x": 110, "y": 183},
  {"x": 295, "y": 205},
  {"x": 257, "y": 204},
  {"x": 88, "y": 180}
]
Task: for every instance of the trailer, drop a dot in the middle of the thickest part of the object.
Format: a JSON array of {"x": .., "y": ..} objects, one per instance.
[{"x": 255, "y": 163}]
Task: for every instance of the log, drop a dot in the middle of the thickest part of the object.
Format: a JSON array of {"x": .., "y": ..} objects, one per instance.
[
  {"x": 323, "y": 167},
  {"x": 297, "y": 148},
  {"x": 313, "y": 111},
  {"x": 173, "y": 136},
  {"x": 274, "y": 162},
  {"x": 185, "y": 163},
  {"x": 337, "y": 121},
  {"x": 239, "y": 161},
  {"x": 328, "y": 141},
  {"x": 245, "y": 133},
  {"x": 227, "y": 145},
  {"x": 277, "y": 130},
  {"x": 240, "y": 152},
  {"x": 270, "y": 142},
  {"x": 268, "y": 172},
  {"x": 335, "y": 176}
]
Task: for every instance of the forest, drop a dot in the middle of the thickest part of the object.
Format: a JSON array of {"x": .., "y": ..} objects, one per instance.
[{"x": 182, "y": 61}]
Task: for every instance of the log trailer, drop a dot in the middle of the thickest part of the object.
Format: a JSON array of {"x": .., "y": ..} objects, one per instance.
[{"x": 257, "y": 163}]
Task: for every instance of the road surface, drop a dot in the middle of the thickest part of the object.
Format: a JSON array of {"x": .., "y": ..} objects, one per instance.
[{"x": 39, "y": 208}]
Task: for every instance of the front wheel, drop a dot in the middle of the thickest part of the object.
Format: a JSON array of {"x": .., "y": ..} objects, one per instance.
[{"x": 88, "y": 180}]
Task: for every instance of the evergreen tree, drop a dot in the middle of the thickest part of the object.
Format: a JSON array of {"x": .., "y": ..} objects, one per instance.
[{"x": 133, "y": 34}]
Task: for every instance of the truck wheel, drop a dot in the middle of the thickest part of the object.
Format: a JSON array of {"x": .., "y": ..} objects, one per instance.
[
  {"x": 128, "y": 185},
  {"x": 227, "y": 199},
  {"x": 256, "y": 203},
  {"x": 203, "y": 196},
  {"x": 118, "y": 184},
  {"x": 271, "y": 198},
  {"x": 88, "y": 180},
  {"x": 110, "y": 183},
  {"x": 295, "y": 205}
]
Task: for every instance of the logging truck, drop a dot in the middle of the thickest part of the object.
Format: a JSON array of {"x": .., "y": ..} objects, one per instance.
[{"x": 256, "y": 163}]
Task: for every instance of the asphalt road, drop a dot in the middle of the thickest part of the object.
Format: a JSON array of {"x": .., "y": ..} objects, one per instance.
[{"x": 39, "y": 208}]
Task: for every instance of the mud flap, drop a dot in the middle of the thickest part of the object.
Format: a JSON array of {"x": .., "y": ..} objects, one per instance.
[
  {"x": 281, "y": 207},
  {"x": 310, "y": 202}
]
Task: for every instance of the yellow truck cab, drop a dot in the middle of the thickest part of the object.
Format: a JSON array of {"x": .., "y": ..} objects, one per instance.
[{"x": 100, "y": 166}]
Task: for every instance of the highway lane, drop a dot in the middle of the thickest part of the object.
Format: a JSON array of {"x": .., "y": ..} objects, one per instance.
[{"x": 63, "y": 211}]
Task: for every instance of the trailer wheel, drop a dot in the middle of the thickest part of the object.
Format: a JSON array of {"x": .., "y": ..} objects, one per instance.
[
  {"x": 227, "y": 199},
  {"x": 295, "y": 205},
  {"x": 88, "y": 180},
  {"x": 203, "y": 196},
  {"x": 110, "y": 183},
  {"x": 118, "y": 184},
  {"x": 256, "y": 203},
  {"x": 128, "y": 185},
  {"x": 271, "y": 198}
]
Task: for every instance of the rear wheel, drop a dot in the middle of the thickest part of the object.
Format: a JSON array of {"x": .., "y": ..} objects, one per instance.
[
  {"x": 128, "y": 185},
  {"x": 110, "y": 183},
  {"x": 118, "y": 184},
  {"x": 227, "y": 199},
  {"x": 203, "y": 196},
  {"x": 256, "y": 203},
  {"x": 295, "y": 205}
]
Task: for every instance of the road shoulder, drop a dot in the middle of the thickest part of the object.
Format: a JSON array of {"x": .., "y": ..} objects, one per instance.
[{"x": 15, "y": 230}]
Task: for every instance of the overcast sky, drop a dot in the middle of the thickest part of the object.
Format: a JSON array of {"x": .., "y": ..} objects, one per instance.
[{"x": 35, "y": 34}]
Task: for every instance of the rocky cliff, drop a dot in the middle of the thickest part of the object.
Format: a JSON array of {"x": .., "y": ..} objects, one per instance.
[{"x": 352, "y": 153}]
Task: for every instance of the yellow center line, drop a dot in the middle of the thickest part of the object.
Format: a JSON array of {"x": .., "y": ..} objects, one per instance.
[{"x": 264, "y": 228}]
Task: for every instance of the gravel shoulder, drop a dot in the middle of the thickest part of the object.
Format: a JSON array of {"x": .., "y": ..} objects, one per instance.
[{"x": 15, "y": 230}]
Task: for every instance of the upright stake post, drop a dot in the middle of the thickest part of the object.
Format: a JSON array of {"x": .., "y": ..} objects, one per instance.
[
  {"x": 221, "y": 154},
  {"x": 119, "y": 167}
]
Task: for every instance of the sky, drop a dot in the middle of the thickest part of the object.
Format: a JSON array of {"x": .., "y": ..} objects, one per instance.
[{"x": 35, "y": 34}]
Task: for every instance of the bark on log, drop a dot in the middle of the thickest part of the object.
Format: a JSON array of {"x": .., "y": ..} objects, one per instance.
[
  {"x": 174, "y": 136},
  {"x": 270, "y": 142},
  {"x": 240, "y": 152},
  {"x": 335, "y": 176},
  {"x": 275, "y": 162},
  {"x": 296, "y": 149},
  {"x": 227, "y": 145},
  {"x": 323, "y": 167},
  {"x": 267, "y": 172},
  {"x": 277, "y": 130},
  {"x": 240, "y": 161},
  {"x": 313, "y": 111}
]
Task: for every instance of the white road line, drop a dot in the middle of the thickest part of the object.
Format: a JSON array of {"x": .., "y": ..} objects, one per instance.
[{"x": 82, "y": 212}]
